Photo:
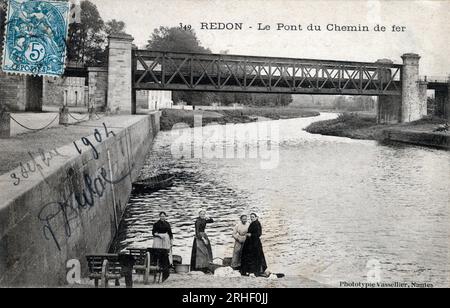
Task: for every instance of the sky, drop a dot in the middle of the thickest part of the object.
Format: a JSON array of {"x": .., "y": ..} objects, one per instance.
[{"x": 426, "y": 23}]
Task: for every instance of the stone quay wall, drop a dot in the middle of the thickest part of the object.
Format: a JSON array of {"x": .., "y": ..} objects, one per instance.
[{"x": 72, "y": 203}]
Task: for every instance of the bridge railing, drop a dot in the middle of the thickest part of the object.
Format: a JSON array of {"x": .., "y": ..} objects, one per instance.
[
  {"x": 232, "y": 73},
  {"x": 435, "y": 79}
]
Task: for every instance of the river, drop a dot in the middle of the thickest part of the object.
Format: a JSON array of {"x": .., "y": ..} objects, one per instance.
[{"x": 332, "y": 210}]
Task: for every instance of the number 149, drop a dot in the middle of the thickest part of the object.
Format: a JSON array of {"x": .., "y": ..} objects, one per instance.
[{"x": 185, "y": 27}]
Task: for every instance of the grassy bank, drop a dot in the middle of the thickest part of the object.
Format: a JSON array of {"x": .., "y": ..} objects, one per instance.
[
  {"x": 170, "y": 117},
  {"x": 362, "y": 126},
  {"x": 279, "y": 113},
  {"x": 348, "y": 125}
]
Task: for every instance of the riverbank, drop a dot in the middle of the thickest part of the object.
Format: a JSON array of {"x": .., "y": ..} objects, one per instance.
[
  {"x": 360, "y": 126},
  {"x": 203, "y": 281},
  {"x": 170, "y": 117}
]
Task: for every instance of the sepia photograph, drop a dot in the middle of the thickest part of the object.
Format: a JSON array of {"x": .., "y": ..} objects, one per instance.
[{"x": 207, "y": 145}]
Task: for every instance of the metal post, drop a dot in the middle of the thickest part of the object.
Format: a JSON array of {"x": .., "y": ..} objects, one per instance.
[
  {"x": 64, "y": 116},
  {"x": 133, "y": 101},
  {"x": 91, "y": 111}
]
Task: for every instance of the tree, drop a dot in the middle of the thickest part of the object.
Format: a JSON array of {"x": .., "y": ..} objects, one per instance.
[
  {"x": 180, "y": 40},
  {"x": 175, "y": 40},
  {"x": 86, "y": 41},
  {"x": 114, "y": 27}
]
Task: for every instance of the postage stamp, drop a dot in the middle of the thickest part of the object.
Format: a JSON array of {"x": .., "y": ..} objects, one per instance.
[{"x": 35, "y": 37}]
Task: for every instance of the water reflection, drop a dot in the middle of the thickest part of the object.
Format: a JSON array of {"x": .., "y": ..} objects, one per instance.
[{"x": 331, "y": 206}]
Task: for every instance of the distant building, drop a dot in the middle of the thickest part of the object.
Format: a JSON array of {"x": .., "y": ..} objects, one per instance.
[
  {"x": 26, "y": 93},
  {"x": 68, "y": 91},
  {"x": 159, "y": 100}
]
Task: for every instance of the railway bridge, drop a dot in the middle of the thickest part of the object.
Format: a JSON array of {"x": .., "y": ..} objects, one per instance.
[
  {"x": 402, "y": 94},
  {"x": 441, "y": 87}
]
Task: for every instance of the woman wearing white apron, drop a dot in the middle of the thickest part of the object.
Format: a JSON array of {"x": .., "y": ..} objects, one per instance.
[
  {"x": 163, "y": 239},
  {"x": 240, "y": 235}
]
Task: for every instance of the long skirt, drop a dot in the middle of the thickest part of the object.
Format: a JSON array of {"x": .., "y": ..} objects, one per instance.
[
  {"x": 163, "y": 243},
  {"x": 253, "y": 260},
  {"x": 201, "y": 254},
  {"x": 237, "y": 255},
  {"x": 164, "y": 260}
]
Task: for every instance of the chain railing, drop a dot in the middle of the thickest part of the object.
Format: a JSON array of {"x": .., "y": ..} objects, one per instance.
[
  {"x": 86, "y": 117},
  {"x": 30, "y": 128},
  {"x": 78, "y": 120}
]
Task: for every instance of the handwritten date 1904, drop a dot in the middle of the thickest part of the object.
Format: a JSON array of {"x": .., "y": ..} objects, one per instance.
[{"x": 98, "y": 138}]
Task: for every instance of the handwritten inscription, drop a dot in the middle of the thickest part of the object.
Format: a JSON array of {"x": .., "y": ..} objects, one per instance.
[
  {"x": 78, "y": 197},
  {"x": 74, "y": 201},
  {"x": 98, "y": 136},
  {"x": 39, "y": 161}
]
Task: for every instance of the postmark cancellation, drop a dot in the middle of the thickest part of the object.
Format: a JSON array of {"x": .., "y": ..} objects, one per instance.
[{"x": 35, "y": 37}]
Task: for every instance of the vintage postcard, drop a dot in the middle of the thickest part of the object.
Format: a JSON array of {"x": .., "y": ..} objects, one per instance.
[{"x": 203, "y": 144}]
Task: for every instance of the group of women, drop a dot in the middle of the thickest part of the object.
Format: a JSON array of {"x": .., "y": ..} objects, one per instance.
[{"x": 248, "y": 255}]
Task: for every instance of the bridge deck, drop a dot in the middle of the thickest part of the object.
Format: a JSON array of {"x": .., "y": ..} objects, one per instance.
[
  {"x": 153, "y": 70},
  {"x": 440, "y": 86},
  {"x": 440, "y": 83}
]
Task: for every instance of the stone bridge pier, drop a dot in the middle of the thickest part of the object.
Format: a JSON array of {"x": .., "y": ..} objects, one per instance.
[
  {"x": 119, "y": 74},
  {"x": 412, "y": 104}
]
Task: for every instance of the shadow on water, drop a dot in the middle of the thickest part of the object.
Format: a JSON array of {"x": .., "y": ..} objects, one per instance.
[{"x": 403, "y": 145}]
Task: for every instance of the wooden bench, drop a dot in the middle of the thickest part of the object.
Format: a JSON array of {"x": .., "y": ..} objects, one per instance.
[
  {"x": 142, "y": 265},
  {"x": 104, "y": 267},
  {"x": 148, "y": 262}
]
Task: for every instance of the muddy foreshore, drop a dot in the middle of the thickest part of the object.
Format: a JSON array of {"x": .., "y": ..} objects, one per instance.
[{"x": 206, "y": 281}]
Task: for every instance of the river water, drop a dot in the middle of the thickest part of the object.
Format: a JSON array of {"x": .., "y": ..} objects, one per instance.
[{"x": 332, "y": 209}]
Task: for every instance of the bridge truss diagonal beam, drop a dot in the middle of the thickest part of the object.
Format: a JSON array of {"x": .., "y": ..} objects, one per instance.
[{"x": 155, "y": 70}]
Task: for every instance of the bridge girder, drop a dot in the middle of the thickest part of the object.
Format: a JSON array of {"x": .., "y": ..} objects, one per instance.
[{"x": 154, "y": 70}]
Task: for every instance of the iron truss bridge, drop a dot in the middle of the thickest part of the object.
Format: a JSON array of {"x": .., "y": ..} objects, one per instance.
[
  {"x": 154, "y": 70},
  {"x": 440, "y": 83}
]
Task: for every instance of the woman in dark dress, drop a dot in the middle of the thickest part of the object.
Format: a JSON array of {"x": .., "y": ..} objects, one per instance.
[
  {"x": 162, "y": 239},
  {"x": 253, "y": 260},
  {"x": 201, "y": 249}
]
